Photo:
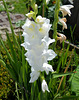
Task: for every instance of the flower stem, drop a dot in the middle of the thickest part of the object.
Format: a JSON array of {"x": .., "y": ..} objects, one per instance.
[
  {"x": 56, "y": 19},
  {"x": 44, "y": 8},
  {"x": 17, "y": 91}
]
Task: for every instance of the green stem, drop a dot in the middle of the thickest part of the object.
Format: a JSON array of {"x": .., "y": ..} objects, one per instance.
[
  {"x": 42, "y": 76},
  {"x": 13, "y": 34},
  {"x": 17, "y": 90},
  {"x": 44, "y": 8},
  {"x": 35, "y": 8},
  {"x": 56, "y": 19}
]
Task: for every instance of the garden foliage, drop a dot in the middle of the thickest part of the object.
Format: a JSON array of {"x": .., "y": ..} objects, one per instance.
[{"x": 58, "y": 83}]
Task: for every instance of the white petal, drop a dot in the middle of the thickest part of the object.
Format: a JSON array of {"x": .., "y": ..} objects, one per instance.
[
  {"x": 34, "y": 75},
  {"x": 36, "y": 61},
  {"x": 50, "y": 54},
  {"x": 40, "y": 19},
  {"x": 44, "y": 86},
  {"x": 65, "y": 9},
  {"x": 48, "y": 40},
  {"x": 47, "y": 2},
  {"x": 30, "y": 14},
  {"x": 61, "y": 37},
  {"x": 71, "y": 1},
  {"x": 63, "y": 23},
  {"x": 70, "y": 6},
  {"x": 47, "y": 68},
  {"x": 30, "y": 27}
]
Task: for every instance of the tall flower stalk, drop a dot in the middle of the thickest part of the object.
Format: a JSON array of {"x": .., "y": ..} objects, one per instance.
[
  {"x": 36, "y": 42},
  {"x": 56, "y": 18}
]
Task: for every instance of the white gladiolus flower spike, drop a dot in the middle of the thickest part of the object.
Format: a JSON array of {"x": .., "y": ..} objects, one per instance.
[
  {"x": 44, "y": 86},
  {"x": 65, "y": 9},
  {"x": 36, "y": 42}
]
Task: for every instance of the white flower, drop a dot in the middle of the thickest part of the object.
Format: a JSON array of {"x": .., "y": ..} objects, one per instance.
[
  {"x": 63, "y": 23},
  {"x": 48, "y": 40},
  {"x": 47, "y": 2},
  {"x": 65, "y": 9},
  {"x": 30, "y": 41},
  {"x": 44, "y": 86},
  {"x": 40, "y": 20},
  {"x": 36, "y": 6},
  {"x": 29, "y": 15},
  {"x": 36, "y": 42},
  {"x": 37, "y": 59},
  {"x": 34, "y": 75},
  {"x": 44, "y": 29},
  {"x": 61, "y": 37},
  {"x": 71, "y": 1},
  {"x": 47, "y": 68},
  {"x": 49, "y": 54},
  {"x": 30, "y": 27}
]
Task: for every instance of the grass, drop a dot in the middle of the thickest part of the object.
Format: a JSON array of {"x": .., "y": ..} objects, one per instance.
[
  {"x": 19, "y": 6},
  {"x": 7, "y": 86}
]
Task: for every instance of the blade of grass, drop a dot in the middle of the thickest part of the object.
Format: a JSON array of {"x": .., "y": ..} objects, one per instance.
[
  {"x": 13, "y": 34},
  {"x": 2, "y": 62},
  {"x": 13, "y": 52},
  {"x": 65, "y": 72},
  {"x": 10, "y": 70},
  {"x": 17, "y": 91},
  {"x": 23, "y": 57},
  {"x": 65, "y": 56},
  {"x": 8, "y": 54},
  {"x": 59, "y": 63},
  {"x": 11, "y": 48},
  {"x": 32, "y": 91},
  {"x": 64, "y": 62},
  {"x": 11, "y": 61},
  {"x": 62, "y": 74}
]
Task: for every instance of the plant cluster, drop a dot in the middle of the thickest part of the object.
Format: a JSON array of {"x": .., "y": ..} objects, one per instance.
[
  {"x": 32, "y": 60},
  {"x": 7, "y": 86}
]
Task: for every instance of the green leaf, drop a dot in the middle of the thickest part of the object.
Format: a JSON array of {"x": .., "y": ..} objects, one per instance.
[
  {"x": 32, "y": 91},
  {"x": 11, "y": 48},
  {"x": 14, "y": 54},
  {"x": 2, "y": 62},
  {"x": 68, "y": 98},
  {"x": 74, "y": 80},
  {"x": 10, "y": 70},
  {"x": 12, "y": 29},
  {"x": 60, "y": 75},
  {"x": 10, "y": 58}
]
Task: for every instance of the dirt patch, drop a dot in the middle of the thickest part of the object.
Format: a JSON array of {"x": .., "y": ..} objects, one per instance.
[{"x": 4, "y": 23}]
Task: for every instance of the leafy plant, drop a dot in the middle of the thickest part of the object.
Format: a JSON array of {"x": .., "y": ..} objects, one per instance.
[
  {"x": 19, "y": 69},
  {"x": 20, "y": 23},
  {"x": 7, "y": 86},
  {"x": 1, "y": 8},
  {"x": 74, "y": 81}
]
